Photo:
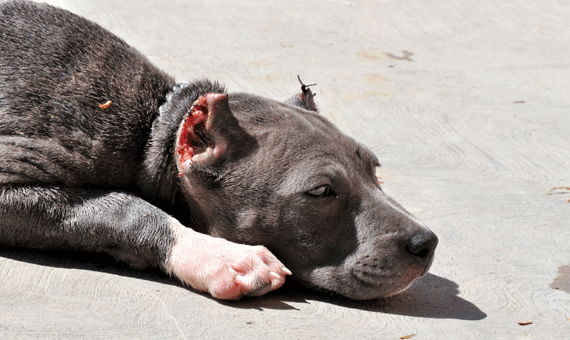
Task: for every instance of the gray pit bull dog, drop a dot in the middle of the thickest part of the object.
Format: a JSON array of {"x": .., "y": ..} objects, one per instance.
[{"x": 102, "y": 152}]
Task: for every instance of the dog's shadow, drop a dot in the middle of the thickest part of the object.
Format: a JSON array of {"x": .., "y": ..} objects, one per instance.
[{"x": 429, "y": 297}]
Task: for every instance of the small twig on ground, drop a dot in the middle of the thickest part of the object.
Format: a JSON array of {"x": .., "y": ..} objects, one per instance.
[{"x": 556, "y": 188}]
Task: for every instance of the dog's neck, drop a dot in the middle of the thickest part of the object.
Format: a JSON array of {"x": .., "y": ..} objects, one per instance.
[
  {"x": 161, "y": 122},
  {"x": 158, "y": 178}
]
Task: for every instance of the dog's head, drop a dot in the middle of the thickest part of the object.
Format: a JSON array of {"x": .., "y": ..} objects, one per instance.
[{"x": 281, "y": 175}]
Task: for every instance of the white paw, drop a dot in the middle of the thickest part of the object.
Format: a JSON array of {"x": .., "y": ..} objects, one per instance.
[{"x": 222, "y": 268}]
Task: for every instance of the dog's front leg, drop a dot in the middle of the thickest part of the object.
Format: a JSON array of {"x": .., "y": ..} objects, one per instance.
[{"x": 132, "y": 230}]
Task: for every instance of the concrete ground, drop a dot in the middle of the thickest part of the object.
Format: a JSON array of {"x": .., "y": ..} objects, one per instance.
[{"x": 467, "y": 105}]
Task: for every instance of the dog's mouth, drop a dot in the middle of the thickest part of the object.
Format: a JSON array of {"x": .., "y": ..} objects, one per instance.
[
  {"x": 194, "y": 144},
  {"x": 364, "y": 279}
]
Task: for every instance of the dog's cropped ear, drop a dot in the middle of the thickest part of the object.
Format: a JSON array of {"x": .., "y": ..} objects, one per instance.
[
  {"x": 209, "y": 135},
  {"x": 304, "y": 99}
]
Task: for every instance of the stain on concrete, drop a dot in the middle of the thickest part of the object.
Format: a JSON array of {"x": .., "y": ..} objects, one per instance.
[
  {"x": 375, "y": 80},
  {"x": 562, "y": 280},
  {"x": 371, "y": 56},
  {"x": 405, "y": 56}
]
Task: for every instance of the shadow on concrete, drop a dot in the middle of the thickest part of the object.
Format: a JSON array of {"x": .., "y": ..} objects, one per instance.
[
  {"x": 429, "y": 297},
  {"x": 82, "y": 260}
]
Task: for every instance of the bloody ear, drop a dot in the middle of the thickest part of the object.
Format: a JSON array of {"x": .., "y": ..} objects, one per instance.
[
  {"x": 209, "y": 133},
  {"x": 304, "y": 99}
]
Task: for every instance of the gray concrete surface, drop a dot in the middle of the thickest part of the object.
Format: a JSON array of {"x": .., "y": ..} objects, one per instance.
[{"x": 467, "y": 105}]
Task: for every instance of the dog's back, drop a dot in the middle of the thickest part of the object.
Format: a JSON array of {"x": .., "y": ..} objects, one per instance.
[{"x": 76, "y": 102}]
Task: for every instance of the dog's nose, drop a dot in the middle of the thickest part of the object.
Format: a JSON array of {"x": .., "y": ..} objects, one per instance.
[{"x": 422, "y": 244}]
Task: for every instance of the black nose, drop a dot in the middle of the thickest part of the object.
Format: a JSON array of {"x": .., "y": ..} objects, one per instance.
[{"x": 422, "y": 244}]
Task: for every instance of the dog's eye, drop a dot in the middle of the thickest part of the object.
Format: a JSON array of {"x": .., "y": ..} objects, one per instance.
[{"x": 321, "y": 191}]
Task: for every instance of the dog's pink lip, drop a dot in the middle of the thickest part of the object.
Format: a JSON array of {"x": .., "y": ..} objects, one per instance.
[{"x": 384, "y": 289}]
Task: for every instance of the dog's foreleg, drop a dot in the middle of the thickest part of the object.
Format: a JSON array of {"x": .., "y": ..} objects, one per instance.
[{"x": 134, "y": 231}]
